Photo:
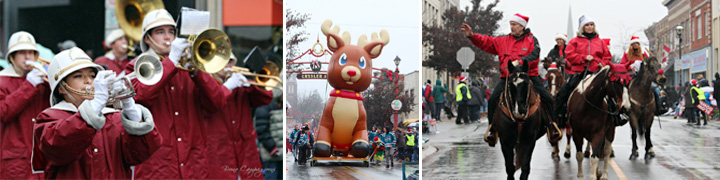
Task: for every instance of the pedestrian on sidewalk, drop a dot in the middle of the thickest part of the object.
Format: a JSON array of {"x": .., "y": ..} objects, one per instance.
[
  {"x": 462, "y": 96},
  {"x": 429, "y": 99},
  {"x": 438, "y": 95},
  {"x": 477, "y": 92}
]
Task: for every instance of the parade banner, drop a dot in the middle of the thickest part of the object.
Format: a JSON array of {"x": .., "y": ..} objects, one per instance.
[{"x": 707, "y": 109}]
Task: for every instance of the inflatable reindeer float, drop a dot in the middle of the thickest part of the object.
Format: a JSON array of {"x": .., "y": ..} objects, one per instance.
[{"x": 343, "y": 127}]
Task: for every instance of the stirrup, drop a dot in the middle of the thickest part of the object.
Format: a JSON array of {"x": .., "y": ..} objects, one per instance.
[
  {"x": 494, "y": 140},
  {"x": 559, "y": 132}
]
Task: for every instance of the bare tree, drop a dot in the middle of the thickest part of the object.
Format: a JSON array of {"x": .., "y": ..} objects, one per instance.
[{"x": 294, "y": 20}]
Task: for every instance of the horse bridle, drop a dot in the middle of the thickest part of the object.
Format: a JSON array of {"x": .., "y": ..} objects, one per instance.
[{"x": 527, "y": 105}]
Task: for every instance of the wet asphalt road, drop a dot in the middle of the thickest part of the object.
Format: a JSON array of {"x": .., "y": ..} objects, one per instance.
[
  {"x": 342, "y": 170},
  {"x": 683, "y": 152}
]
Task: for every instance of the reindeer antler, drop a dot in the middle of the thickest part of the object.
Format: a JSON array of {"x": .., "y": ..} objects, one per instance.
[
  {"x": 325, "y": 28},
  {"x": 384, "y": 38}
]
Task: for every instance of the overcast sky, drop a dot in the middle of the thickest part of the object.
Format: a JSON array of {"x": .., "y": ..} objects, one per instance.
[
  {"x": 615, "y": 19},
  {"x": 401, "y": 18}
]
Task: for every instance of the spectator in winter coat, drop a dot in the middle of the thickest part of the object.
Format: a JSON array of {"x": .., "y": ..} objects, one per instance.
[
  {"x": 439, "y": 97},
  {"x": 477, "y": 101},
  {"x": 716, "y": 88},
  {"x": 269, "y": 127},
  {"x": 429, "y": 99},
  {"x": 463, "y": 97}
]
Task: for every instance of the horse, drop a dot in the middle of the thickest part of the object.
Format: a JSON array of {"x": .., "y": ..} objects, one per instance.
[
  {"x": 519, "y": 121},
  {"x": 642, "y": 103},
  {"x": 590, "y": 116}
]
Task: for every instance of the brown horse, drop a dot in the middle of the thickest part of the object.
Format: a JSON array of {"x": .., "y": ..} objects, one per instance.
[
  {"x": 590, "y": 117},
  {"x": 519, "y": 121},
  {"x": 642, "y": 102}
]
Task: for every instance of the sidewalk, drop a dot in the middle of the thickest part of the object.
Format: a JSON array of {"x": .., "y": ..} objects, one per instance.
[{"x": 448, "y": 133}]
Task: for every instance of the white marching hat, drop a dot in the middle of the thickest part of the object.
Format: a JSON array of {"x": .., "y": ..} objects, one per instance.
[
  {"x": 21, "y": 41},
  {"x": 65, "y": 63}
]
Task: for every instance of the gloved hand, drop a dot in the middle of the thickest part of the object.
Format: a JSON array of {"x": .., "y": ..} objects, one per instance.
[
  {"x": 177, "y": 50},
  {"x": 101, "y": 89},
  {"x": 35, "y": 77},
  {"x": 236, "y": 80},
  {"x": 131, "y": 110}
]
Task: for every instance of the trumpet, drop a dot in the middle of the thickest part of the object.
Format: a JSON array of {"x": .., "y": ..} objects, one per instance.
[
  {"x": 148, "y": 70},
  {"x": 268, "y": 76},
  {"x": 43, "y": 62}
]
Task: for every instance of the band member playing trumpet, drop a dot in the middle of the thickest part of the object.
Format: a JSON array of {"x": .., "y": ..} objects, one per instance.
[
  {"x": 176, "y": 101},
  {"x": 116, "y": 59},
  {"x": 23, "y": 94},
  {"x": 78, "y": 137},
  {"x": 230, "y": 131}
]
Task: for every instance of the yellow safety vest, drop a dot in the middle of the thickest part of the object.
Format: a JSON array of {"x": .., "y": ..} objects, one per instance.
[
  {"x": 410, "y": 140},
  {"x": 701, "y": 94},
  {"x": 458, "y": 93}
]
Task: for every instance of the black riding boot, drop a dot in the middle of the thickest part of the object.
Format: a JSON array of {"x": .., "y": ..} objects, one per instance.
[
  {"x": 491, "y": 135},
  {"x": 620, "y": 118}
]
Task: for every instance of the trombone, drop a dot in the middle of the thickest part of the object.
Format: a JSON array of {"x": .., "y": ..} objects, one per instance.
[{"x": 268, "y": 76}]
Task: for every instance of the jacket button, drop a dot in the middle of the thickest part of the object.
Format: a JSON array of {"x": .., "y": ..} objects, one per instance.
[
  {"x": 33, "y": 119},
  {"x": 172, "y": 87},
  {"x": 182, "y": 164},
  {"x": 95, "y": 150},
  {"x": 233, "y": 122},
  {"x": 179, "y": 139},
  {"x": 176, "y": 113}
]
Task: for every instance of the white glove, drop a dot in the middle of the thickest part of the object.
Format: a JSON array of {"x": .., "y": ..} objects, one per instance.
[
  {"x": 101, "y": 89},
  {"x": 131, "y": 110},
  {"x": 35, "y": 77},
  {"x": 177, "y": 50},
  {"x": 516, "y": 63},
  {"x": 236, "y": 80}
]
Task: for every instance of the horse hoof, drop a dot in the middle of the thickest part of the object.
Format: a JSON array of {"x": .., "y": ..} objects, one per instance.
[
  {"x": 567, "y": 155},
  {"x": 612, "y": 154},
  {"x": 633, "y": 156},
  {"x": 649, "y": 155},
  {"x": 555, "y": 157}
]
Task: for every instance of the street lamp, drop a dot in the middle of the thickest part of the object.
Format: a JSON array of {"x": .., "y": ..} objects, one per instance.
[
  {"x": 397, "y": 89},
  {"x": 679, "y": 31}
]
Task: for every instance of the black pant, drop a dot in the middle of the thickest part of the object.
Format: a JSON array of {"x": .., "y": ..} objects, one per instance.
[
  {"x": 537, "y": 86},
  {"x": 691, "y": 114},
  {"x": 462, "y": 114},
  {"x": 474, "y": 112},
  {"x": 303, "y": 152}
]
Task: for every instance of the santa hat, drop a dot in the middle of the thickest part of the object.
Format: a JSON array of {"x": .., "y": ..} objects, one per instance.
[
  {"x": 463, "y": 78},
  {"x": 520, "y": 19},
  {"x": 552, "y": 66},
  {"x": 661, "y": 71},
  {"x": 694, "y": 82},
  {"x": 634, "y": 39},
  {"x": 584, "y": 20},
  {"x": 561, "y": 36},
  {"x": 607, "y": 41}
]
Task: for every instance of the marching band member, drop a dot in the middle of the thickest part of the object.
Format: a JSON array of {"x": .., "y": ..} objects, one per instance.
[
  {"x": 230, "y": 131},
  {"x": 23, "y": 94},
  {"x": 116, "y": 59},
  {"x": 176, "y": 101},
  {"x": 78, "y": 137}
]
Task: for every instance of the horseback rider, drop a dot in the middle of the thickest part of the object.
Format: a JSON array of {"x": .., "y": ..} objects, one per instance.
[
  {"x": 519, "y": 47},
  {"x": 558, "y": 52},
  {"x": 632, "y": 59},
  {"x": 587, "y": 53},
  {"x": 304, "y": 141}
]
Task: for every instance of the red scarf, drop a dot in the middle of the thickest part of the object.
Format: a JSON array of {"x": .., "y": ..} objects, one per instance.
[{"x": 346, "y": 94}]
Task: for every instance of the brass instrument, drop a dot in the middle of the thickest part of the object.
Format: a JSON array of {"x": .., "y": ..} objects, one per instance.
[
  {"x": 43, "y": 62},
  {"x": 210, "y": 51},
  {"x": 148, "y": 70},
  {"x": 268, "y": 77},
  {"x": 130, "y": 15}
]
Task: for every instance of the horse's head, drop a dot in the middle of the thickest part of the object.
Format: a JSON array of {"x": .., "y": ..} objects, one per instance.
[
  {"x": 518, "y": 90},
  {"x": 616, "y": 84},
  {"x": 651, "y": 68},
  {"x": 546, "y": 62}
]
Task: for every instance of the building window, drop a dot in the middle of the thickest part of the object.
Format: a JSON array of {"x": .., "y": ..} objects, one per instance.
[{"x": 698, "y": 26}]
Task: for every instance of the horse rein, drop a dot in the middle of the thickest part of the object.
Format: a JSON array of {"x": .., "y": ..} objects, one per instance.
[
  {"x": 527, "y": 105},
  {"x": 588, "y": 102}
]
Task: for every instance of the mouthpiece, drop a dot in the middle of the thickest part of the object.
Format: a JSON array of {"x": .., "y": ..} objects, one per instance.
[
  {"x": 124, "y": 46},
  {"x": 167, "y": 43}
]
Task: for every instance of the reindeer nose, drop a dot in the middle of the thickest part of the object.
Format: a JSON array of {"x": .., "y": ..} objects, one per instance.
[{"x": 351, "y": 72}]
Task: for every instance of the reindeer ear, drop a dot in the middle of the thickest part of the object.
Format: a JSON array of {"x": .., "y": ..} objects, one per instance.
[
  {"x": 334, "y": 42},
  {"x": 374, "y": 49}
]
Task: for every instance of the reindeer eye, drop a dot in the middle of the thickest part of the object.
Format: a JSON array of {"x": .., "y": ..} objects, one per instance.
[
  {"x": 362, "y": 62},
  {"x": 343, "y": 59}
]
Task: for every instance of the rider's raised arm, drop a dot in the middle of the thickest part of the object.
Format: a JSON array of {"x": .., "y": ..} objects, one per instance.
[{"x": 486, "y": 43}]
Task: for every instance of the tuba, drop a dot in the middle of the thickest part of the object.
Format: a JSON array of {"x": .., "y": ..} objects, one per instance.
[{"x": 130, "y": 15}]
